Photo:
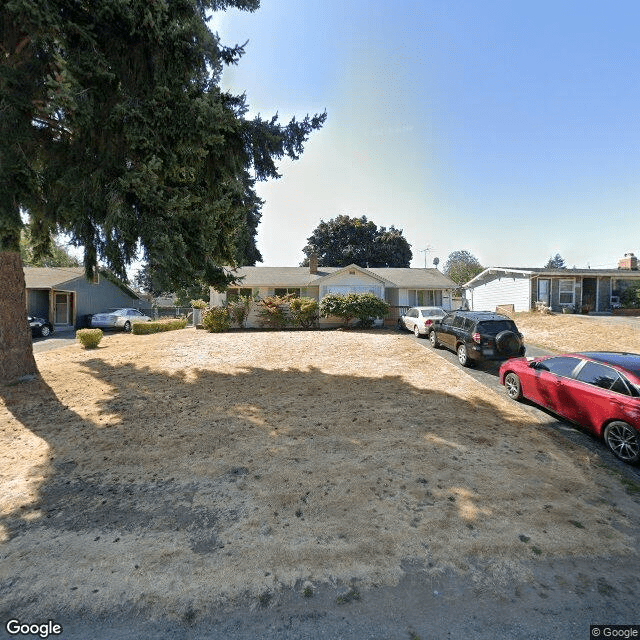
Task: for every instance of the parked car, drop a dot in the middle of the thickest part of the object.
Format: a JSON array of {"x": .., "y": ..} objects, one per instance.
[
  {"x": 39, "y": 326},
  {"x": 477, "y": 335},
  {"x": 597, "y": 390},
  {"x": 419, "y": 319},
  {"x": 118, "y": 319}
]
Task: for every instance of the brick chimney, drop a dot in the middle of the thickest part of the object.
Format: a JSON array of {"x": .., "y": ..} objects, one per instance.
[
  {"x": 629, "y": 262},
  {"x": 313, "y": 263}
]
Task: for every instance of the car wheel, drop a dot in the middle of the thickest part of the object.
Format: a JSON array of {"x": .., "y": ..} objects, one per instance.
[
  {"x": 463, "y": 356},
  {"x": 127, "y": 326},
  {"x": 513, "y": 386},
  {"x": 433, "y": 339},
  {"x": 44, "y": 331},
  {"x": 507, "y": 343},
  {"x": 416, "y": 331},
  {"x": 623, "y": 440}
]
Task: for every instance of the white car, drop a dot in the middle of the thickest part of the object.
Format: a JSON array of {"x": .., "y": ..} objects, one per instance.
[
  {"x": 419, "y": 319},
  {"x": 118, "y": 319}
]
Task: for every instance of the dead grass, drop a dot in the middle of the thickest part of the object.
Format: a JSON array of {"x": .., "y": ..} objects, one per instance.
[
  {"x": 570, "y": 332},
  {"x": 171, "y": 471}
]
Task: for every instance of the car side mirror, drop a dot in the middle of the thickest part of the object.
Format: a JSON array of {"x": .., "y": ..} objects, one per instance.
[{"x": 534, "y": 364}]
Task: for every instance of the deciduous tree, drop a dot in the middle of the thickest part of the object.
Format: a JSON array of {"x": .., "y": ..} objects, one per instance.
[
  {"x": 345, "y": 240},
  {"x": 462, "y": 266}
]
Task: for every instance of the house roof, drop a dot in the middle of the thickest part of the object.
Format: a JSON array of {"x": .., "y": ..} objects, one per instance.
[
  {"x": 50, "y": 277},
  {"x": 61, "y": 277},
  {"x": 301, "y": 277},
  {"x": 537, "y": 271}
]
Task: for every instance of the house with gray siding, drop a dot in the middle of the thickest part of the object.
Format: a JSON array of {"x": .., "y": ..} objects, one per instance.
[
  {"x": 399, "y": 287},
  {"x": 596, "y": 290},
  {"x": 65, "y": 297}
]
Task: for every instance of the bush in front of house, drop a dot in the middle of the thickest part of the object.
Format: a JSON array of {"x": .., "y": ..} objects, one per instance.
[
  {"x": 273, "y": 311},
  {"x": 89, "y": 338},
  {"x": 198, "y": 304},
  {"x": 146, "y": 328},
  {"x": 364, "y": 307},
  {"x": 239, "y": 310},
  {"x": 216, "y": 320},
  {"x": 304, "y": 312},
  {"x": 630, "y": 297}
]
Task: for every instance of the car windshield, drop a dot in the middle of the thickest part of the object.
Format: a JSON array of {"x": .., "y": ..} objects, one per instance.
[
  {"x": 434, "y": 312},
  {"x": 494, "y": 327}
]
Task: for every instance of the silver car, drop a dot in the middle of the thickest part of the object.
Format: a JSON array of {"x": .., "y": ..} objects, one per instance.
[
  {"x": 118, "y": 319},
  {"x": 420, "y": 319}
]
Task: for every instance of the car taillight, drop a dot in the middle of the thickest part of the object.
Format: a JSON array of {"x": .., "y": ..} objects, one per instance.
[
  {"x": 476, "y": 337},
  {"x": 428, "y": 322}
]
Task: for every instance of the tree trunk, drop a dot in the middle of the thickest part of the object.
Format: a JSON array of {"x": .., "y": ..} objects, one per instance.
[{"x": 16, "y": 348}]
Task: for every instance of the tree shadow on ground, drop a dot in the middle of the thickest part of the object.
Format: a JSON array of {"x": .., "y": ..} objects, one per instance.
[{"x": 166, "y": 481}]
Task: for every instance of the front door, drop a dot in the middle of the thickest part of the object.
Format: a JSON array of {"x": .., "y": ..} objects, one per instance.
[
  {"x": 61, "y": 308},
  {"x": 589, "y": 290},
  {"x": 544, "y": 289}
]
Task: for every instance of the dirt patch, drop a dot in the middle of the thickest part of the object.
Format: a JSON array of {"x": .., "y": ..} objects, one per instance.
[
  {"x": 569, "y": 332},
  {"x": 167, "y": 473}
]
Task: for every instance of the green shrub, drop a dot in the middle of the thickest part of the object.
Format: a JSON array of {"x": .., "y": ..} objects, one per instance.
[
  {"x": 145, "y": 328},
  {"x": 362, "y": 306},
  {"x": 216, "y": 320},
  {"x": 630, "y": 297},
  {"x": 304, "y": 312},
  {"x": 273, "y": 311},
  {"x": 198, "y": 304},
  {"x": 89, "y": 338},
  {"x": 239, "y": 310}
]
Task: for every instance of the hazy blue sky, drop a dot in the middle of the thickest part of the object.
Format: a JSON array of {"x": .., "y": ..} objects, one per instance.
[{"x": 509, "y": 129}]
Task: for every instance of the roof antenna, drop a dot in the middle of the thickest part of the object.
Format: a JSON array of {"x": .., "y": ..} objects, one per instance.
[{"x": 425, "y": 251}]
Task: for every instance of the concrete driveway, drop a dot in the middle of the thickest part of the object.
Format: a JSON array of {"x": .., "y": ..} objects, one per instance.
[{"x": 59, "y": 338}]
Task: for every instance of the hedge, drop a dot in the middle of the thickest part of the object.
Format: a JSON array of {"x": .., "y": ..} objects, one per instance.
[
  {"x": 145, "y": 328},
  {"x": 89, "y": 338}
]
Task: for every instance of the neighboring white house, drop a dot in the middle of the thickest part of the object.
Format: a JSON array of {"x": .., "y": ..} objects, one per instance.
[
  {"x": 593, "y": 289},
  {"x": 399, "y": 287}
]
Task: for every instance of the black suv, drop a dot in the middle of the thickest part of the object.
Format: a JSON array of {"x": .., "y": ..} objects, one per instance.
[{"x": 477, "y": 335}]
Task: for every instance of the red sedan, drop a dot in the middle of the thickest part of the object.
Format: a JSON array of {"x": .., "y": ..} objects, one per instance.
[{"x": 598, "y": 390}]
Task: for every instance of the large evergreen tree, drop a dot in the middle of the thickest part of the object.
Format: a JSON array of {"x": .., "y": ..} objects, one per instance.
[
  {"x": 556, "y": 262},
  {"x": 114, "y": 129},
  {"x": 58, "y": 256},
  {"x": 345, "y": 240}
]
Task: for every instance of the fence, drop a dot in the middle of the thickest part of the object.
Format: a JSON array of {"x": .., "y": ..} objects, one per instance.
[{"x": 170, "y": 312}]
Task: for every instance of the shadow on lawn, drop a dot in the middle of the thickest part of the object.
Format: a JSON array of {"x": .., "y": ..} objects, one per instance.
[{"x": 162, "y": 440}]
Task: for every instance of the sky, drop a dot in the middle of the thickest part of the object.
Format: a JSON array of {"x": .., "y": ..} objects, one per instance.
[{"x": 507, "y": 129}]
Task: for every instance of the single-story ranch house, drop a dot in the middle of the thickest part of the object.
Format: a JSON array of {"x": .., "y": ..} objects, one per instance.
[
  {"x": 64, "y": 296},
  {"x": 593, "y": 289},
  {"x": 399, "y": 287}
]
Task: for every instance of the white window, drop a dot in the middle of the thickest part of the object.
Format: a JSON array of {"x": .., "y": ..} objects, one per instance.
[
  {"x": 283, "y": 291},
  {"x": 235, "y": 293},
  {"x": 425, "y": 298},
  {"x": 377, "y": 290},
  {"x": 567, "y": 291}
]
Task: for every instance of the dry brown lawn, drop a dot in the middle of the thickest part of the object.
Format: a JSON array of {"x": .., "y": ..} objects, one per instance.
[
  {"x": 173, "y": 471},
  {"x": 562, "y": 333}
]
